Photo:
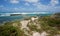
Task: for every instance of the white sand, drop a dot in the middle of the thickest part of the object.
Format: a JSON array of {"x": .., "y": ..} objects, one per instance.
[
  {"x": 39, "y": 34},
  {"x": 44, "y": 34},
  {"x": 34, "y": 18},
  {"x": 24, "y": 24},
  {"x": 36, "y": 34}
]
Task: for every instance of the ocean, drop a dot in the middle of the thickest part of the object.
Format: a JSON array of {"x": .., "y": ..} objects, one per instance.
[
  {"x": 9, "y": 18},
  {"x": 12, "y": 18}
]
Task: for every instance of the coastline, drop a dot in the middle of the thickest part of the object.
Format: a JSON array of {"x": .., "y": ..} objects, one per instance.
[{"x": 36, "y": 25}]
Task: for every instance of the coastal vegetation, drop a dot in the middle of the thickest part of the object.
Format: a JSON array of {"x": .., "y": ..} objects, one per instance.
[{"x": 48, "y": 24}]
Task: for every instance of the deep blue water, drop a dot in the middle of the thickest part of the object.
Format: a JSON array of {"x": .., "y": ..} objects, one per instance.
[{"x": 11, "y": 18}]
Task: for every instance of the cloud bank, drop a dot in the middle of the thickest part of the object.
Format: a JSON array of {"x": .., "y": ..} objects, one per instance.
[{"x": 34, "y": 5}]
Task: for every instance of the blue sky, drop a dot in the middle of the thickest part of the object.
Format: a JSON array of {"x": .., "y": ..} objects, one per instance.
[{"x": 29, "y": 5}]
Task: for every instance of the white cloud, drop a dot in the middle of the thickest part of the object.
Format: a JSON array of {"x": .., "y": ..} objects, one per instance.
[
  {"x": 37, "y": 6},
  {"x": 1, "y": 6},
  {"x": 14, "y": 1},
  {"x": 27, "y": 4},
  {"x": 41, "y": 7},
  {"x": 32, "y": 1},
  {"x": 18, "y": 9},
  {"x": 54, "y": 2}
]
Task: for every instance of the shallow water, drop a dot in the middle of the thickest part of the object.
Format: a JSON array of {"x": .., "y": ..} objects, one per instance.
[{"x": 11, "y": 18}]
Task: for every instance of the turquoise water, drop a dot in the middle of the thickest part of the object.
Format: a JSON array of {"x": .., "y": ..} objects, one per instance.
[{"x": 11, "y": 18}]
